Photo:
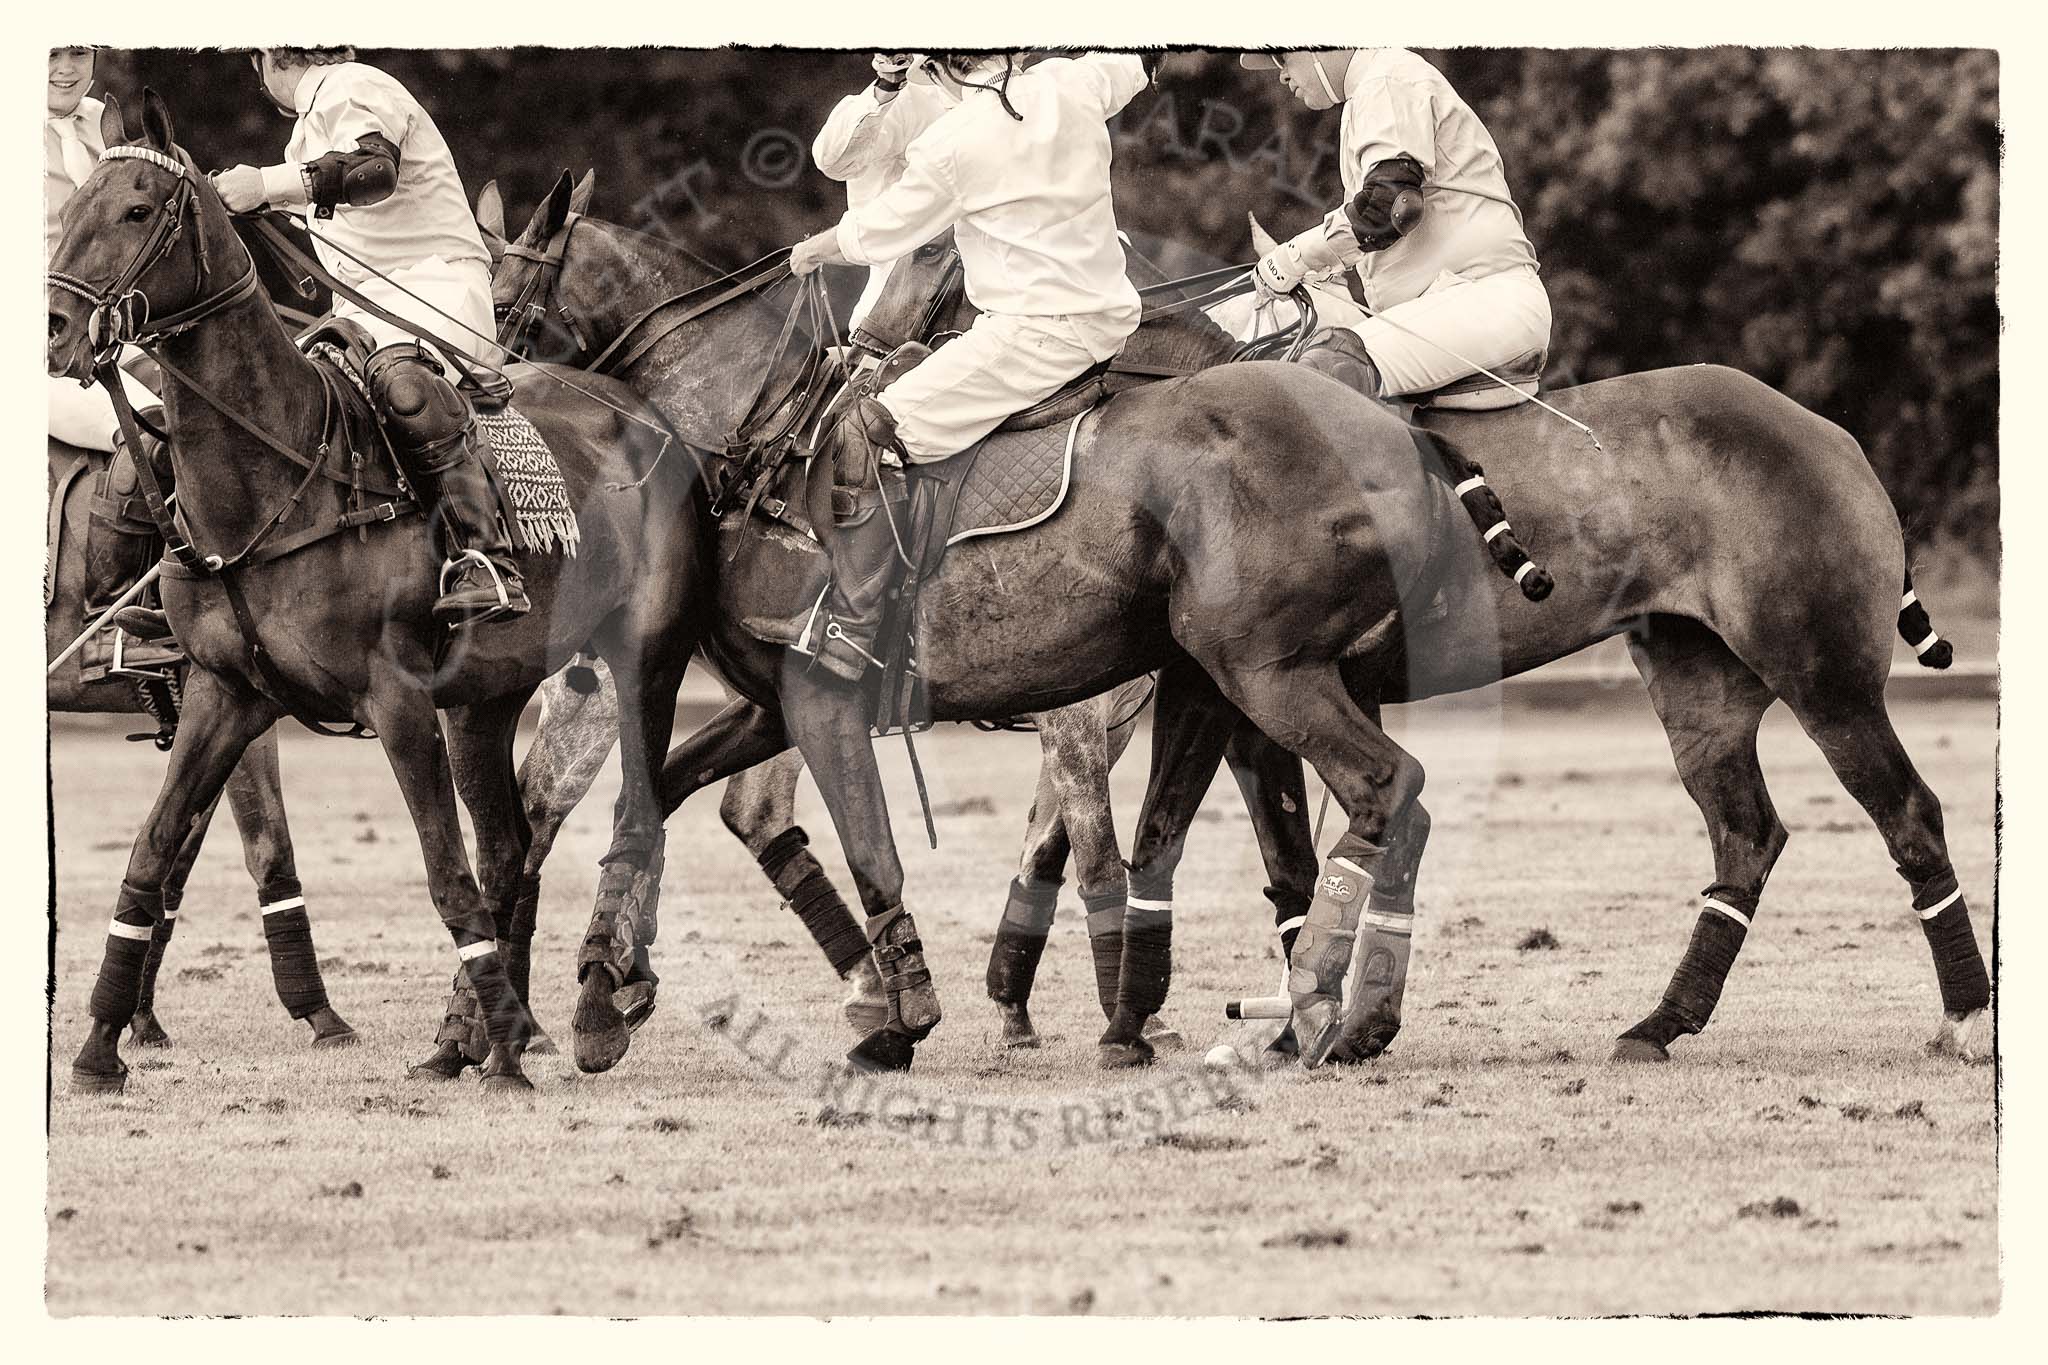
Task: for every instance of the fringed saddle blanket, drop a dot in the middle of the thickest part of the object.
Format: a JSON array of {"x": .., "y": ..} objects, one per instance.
[{"x": 536, "y": 496}]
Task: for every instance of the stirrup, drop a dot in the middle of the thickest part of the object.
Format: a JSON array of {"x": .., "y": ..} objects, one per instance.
[
  {"x": 834, "y": 632},
  {"x": 163, "y": 671},
  {"x": 491, "y": 613}
]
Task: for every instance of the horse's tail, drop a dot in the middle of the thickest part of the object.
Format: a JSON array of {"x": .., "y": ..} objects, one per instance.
[
  {"x": 1918, "y": 631},
  {"x": 1482, "y": 504}
]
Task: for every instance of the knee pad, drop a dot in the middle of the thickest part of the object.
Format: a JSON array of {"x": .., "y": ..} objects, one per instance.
[{"x": 422, "y": 410}]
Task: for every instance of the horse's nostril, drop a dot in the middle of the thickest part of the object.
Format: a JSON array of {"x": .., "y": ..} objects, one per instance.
[{"x": 56, "y": 325}]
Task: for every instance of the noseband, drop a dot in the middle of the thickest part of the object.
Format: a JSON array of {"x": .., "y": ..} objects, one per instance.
[
  {"x": 527, "y": 313},
  {"x": 121, "y": 312}
]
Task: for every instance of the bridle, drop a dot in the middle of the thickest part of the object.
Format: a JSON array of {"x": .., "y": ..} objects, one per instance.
[
  {"x": 121, "y": 312},
  {"x": 522, "y": 319}
]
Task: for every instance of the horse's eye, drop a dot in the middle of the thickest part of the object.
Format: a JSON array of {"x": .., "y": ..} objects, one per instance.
[
  {"x": 138, "y": 214},
  {"x": 928, "y": 252}
]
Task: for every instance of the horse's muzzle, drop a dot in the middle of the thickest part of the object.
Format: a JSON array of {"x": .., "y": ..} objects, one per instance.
[{"x": 65, "y": 352}]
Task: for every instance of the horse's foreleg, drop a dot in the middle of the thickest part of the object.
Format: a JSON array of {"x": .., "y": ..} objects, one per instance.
[
  {"x": 759, "y": 808},
  {"x": 1191, "y": 723},
  {"x": 480, "y": 761},
  {"x": 1711, "y": 704},
  {"x": 1034, "y": 896},
  {"x": 829, "y": 724},
  {"x": 579, "y": 725},
  {"x": 648, "y": 669},
  {"x": 146, "y": 1030},
  {"x": 255, "y": 794},
  {"x": 217, "y": 726},
  {"x": 406, "y": 724}
]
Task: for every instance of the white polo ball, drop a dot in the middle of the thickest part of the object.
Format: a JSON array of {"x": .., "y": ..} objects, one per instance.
[{"x": 1220, "y": 1057}]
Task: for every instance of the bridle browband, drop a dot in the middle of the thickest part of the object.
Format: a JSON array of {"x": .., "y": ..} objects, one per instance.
[{"x": 121, "y": 312}]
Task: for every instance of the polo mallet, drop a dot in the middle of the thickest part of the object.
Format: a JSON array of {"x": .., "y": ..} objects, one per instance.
[{"x": 125, "y": 599}]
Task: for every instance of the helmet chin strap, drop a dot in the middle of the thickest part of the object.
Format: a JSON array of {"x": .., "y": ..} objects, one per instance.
[{"x": 1324, "y": 77}]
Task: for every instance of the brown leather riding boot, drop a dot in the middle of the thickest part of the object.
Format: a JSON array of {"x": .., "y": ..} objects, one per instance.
[
  {"x": 1338, "y": 353},
  {"x": 123, "y": 541},
  {"x": 433, "y": 432},
  {"x": 861, "y": 543}
]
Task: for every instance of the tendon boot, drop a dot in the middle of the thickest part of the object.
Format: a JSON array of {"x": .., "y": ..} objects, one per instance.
[
  {"x": 122, "y": 543},
  {"x": 913, "y": 1000},
  {"x": 433, "y": 433},
  {"x": 866, "y": 515}
]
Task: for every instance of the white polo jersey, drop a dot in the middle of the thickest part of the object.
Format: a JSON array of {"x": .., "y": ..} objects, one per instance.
[
  {"x": 1396, "y": 104},
  {"x": 426, "y": 217},
  {"x": 862, "y": 144},
  {"x": 1029, "y": 200},
  {"x": 71, "y": 148}
]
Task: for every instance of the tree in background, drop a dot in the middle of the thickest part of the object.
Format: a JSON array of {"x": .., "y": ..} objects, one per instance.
[{"x": 1825, "y": 220}]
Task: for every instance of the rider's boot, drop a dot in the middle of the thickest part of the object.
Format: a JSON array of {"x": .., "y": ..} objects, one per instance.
[
  {"x": 123, "y": 541},
  {"x": 433, "y": 432},
  {"x": 861, "y": 542},
  {"x": 1338, "y": 353}
]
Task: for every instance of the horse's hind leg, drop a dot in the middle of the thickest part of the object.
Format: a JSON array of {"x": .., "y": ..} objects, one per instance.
[
  {"x": 217, "y": 726},
  {"x": 759, "y": 808},
  {"x": 1308, "y": 709},
  {"x": 145, "y": 1029},
  {"x": 1034, "y": 897},
  {"x": 1711, "y": 704},
  {"x": 1856, "y": 735},
  {"x": 1276, "y": 797},
  {"x": 479, "y": 741}
]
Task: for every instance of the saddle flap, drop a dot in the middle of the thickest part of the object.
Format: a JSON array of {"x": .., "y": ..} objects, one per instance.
[{"x": 1480, "y": 393}]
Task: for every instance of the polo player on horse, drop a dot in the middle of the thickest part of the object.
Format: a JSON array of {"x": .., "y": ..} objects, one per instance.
[
  {"x": 389, "y": 217},
  {"x": 1444, "y": 268},
  {"x": 1018, "y": 165}
]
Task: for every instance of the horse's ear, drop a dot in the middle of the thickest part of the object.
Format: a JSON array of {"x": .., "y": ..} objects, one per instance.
[
  {"x": 490, "y": 209},
  {"x": 555, "y": 211},
  {"x": 156, "y": 122},
  {"x": 579, "y": 198},
  {"x": 113, "y": 132},
  {"x": 1263, "y": 244}
]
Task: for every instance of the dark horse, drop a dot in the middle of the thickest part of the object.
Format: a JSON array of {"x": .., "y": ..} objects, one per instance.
[
  {"x": 1242, "y": 530},
  {"x": 1747, "y": 550},
  {"x": 1741, "y": 543},
  {"x": 254, "y": 792},
  {"x": 325, "y": 625}
]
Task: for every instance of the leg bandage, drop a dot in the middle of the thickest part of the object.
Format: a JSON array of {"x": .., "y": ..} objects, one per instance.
[
  {"x": 1717, "y": 939},
  {"x": 287, "y": 930},
  {"x": 802, "y": 883},
  {"x": 119, "y": 984},
  {"x": 1958, "y": 964},
  {"x": 1020, "y": 940}
]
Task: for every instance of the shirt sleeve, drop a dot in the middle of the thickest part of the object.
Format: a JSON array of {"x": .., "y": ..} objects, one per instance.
[
  {"x": 919, "y": 206},
  {"x": 844, "y": 147},
  {"x": 1391, "y": 118},
  {"x": 348, "y": 110},
  {"x": 1115, "y": 77}
]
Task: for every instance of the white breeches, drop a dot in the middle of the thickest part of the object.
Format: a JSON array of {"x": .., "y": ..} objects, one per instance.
[
  {"x": 459, "y": 289},
  {"x": 1487, "y": 322},
  {"x": 1001, "y": 365}
]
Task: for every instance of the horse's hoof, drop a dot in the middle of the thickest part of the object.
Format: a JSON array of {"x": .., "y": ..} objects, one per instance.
[
  {"x": 1017, "y": 1028},
  {"x": 883, "y": 1050},
  {"x": 1365, "y": 1039},
  {"x": 145, "y": 1031},
  {"x": 867, "y": 1004},
  {"x": 330, "y": 1029},
  {"x": 447, "y": 1064},
  {"x": 1163, "y": 1036},
  {"x": 599, "y": 1032},
  {"x": 1123, "y": 1055},
  {"x": 1965, "y": 1037},
  {"x": 1317, "y": 1024},
  {"x": 1627, "y": 1049},
  {"x": 1282, "y": 1051},
  {"x": 509, "y": 1083},
  {"x": 635, "y": 1003},
  {"x": 1536, "y": 584},
  {"x": 540, "y": 1045},
  {"x": 88, "y": 1082}
]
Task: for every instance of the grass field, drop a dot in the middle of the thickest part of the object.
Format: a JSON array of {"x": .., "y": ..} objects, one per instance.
[{"x": 1801, "y": 1154}]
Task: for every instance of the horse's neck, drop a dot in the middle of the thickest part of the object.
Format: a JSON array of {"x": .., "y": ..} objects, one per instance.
[{"x": 228, "y": 481}]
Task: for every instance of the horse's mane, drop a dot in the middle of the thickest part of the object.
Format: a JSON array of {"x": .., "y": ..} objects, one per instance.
[{"x": 1187, "y": 340}]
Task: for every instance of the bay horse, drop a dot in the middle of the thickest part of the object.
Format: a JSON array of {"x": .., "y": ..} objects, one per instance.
[
  {"x": 1070, "y": 816},
  {"x": 254, "y": 791},
  {"x": 1239, "y": 530},
  {"x": 331, "y": 622},
  {"x": 1748, "y": 552}
]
